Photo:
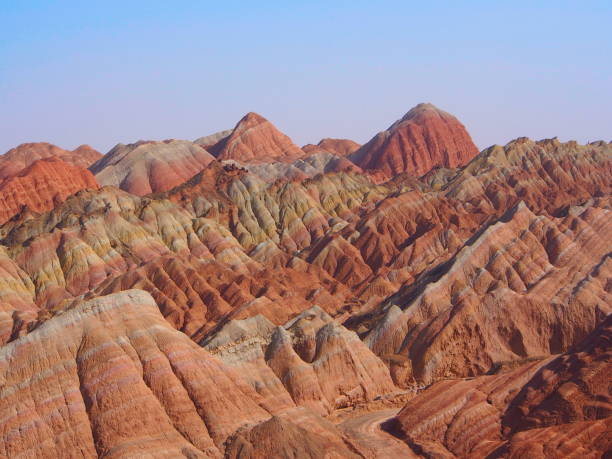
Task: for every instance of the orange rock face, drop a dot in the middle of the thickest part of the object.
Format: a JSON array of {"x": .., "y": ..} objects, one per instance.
[
  {"x": 280, "y": 437},
  {"x": 17, "y": 159},
  {"x": 498, "y": 297},
  {"x": 424, "y": 138},
  {"x": 42, "y": 185},
  {"x": 111, "y": 377},
  {"x": 255, "y": 139},
  {"x": 542, "y": 409}
]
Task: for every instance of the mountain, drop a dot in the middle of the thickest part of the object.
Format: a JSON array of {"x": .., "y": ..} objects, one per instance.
[
  {"x": 42, "y": 185},
  {"x": 255, "y": 139},
  {"x": 311, "y": 360},
  {"x": 339, "y": 147},
  {"x": 149, "y": 167},
  {"x": 288, "y": 303},
  {"x": 425, "y": 138},
  {"x": 554, "y": 407},
  {"x": 110, "y": 377},
  {"x": 499, "y": 295},
  {"x": 18, "y": 158}
]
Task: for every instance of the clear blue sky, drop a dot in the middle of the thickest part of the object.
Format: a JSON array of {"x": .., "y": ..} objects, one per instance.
[{"x": 104, "y": 72}]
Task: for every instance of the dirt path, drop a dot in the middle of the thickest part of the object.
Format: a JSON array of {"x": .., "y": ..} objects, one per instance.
[{"x": 366, "y": 431}]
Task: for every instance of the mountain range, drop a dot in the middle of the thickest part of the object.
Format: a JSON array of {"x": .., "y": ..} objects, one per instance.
[{"x": 241, "y": 296}]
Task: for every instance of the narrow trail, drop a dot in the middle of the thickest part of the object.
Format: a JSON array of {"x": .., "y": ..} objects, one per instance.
[{"x": 366, "y": 431}]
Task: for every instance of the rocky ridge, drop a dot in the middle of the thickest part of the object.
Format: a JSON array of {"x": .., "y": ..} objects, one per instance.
[
  {"x": 111, "y": 378},
  {"x": 311, "y": 360},
  {"x": 545, "y": 408},
  {"x": 22, "y": 156},
  {"x": 314, "y": 287}
]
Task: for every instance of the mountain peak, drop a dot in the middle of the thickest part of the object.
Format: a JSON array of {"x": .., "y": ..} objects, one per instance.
[
  {"x": 424, "y": 106},
  {"x": 252, "y": 117},
  {"x": 421, "y": 112},
  {"x": 424, "y": 138},
  {"x": 255, "y": 139}
]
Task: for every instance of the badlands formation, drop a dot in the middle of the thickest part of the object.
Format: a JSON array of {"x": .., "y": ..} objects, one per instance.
[{"x": 240, "y": 296}]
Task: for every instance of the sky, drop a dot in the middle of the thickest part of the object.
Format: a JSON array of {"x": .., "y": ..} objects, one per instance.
[{"x": 108, "y": 72}]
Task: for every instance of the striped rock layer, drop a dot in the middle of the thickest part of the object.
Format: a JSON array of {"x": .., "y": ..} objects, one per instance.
[
  {"x": 149, "y": 167},
  {"x": 111, "y": 378},
  {"x": 255, "y": 139},
  {"x": 20, "y": 157},
  {"x": 311, "y": 360},
  {"x": 316, "y": 289},
  {"x": 339, "y": 147},
  {"x": 42, "y": 185},
  {"x": 559, "y": 407},
  {"x": 425, "y": 138}
]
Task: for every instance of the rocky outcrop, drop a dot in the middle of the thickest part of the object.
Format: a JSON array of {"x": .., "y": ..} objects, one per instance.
[
  {"x": 550, "y": 408},
  {"x": 311, "y": 360},
  {"x": 230, "y": 245},
  {"x": 548, "y": 175},
  {"x": 255, "y": 139},
  {"x": 426, "y": 137},
  {"x": 18, "y": 158},
  {"x": 500, "y": 296},
  {"x": 150, "y": 167},
  {"x": 111, "y": 378},
  {"x": 41, "y": 186},
  {"x": 198, "y": 272},
  {"x": 573, "y": 387}
]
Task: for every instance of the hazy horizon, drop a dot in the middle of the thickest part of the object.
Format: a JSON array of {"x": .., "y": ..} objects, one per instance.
[{"x": 116, "y": 73}]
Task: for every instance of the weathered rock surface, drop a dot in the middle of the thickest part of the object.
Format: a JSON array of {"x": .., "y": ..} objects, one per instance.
[
  {"x": 111, "y": 378},
  {"x": 558, "y": 407},
  {"x": 548, "y": 175},
  {"x": 458, "y": 273},
  {"x": 573, "y": 387},
  {"x": 18, "y": 158},
  {"x": 149, "y": 167},
  {"x": 526, "y": 286},
  {"x": 233, "y": 245},
  {"x": 255, "y": 139},
  {"x": 311, "y": 360},
  {"x": 198, "y": 272},
  {"x": 42, "y": 185},
  {"x": 208, "y": 142},
  {"x": 424, "y": 138}
]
